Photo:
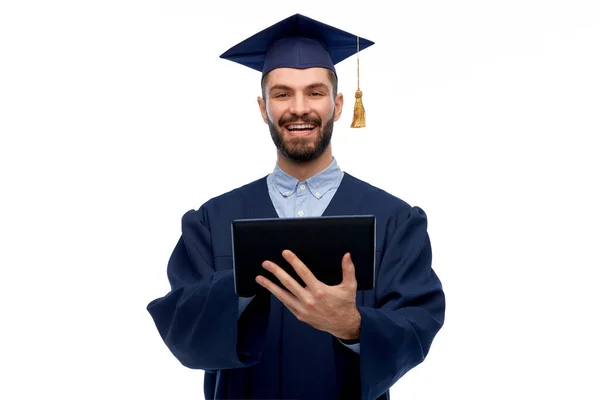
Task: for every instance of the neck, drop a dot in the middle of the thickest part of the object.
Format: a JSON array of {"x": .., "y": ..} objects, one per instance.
[{"x": 305, "y": 170}]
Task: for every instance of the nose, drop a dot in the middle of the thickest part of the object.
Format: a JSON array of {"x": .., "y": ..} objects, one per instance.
[{"x": 300, "y": 105}]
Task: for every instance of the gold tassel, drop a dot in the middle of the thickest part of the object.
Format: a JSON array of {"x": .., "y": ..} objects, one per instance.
[
  {"x": 359, "y": 112},
  {"x": 358, "y": 121}
]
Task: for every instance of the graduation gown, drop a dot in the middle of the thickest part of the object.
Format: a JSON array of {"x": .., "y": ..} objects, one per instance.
[{"x": 267, "y": 353}]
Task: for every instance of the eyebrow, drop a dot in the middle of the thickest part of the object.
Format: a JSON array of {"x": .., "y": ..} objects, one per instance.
[
  {"x": 318, "y": 85},
  {"x": 279, "y": 87}
]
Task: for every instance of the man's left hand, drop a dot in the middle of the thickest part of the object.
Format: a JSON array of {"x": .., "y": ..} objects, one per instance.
[{"x": 327, "y": 308}]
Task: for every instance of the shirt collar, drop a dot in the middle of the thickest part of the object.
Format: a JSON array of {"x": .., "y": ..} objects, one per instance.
[{"x": 318, "y": 185}]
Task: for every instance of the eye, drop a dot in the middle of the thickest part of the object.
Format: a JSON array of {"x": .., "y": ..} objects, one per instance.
[
  {"x": 280, "y": 95},
  {"x": 314, "y": 94}
]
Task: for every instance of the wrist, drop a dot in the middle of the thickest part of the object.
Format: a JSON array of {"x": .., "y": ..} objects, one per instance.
[{"x": 352, "y": 332}]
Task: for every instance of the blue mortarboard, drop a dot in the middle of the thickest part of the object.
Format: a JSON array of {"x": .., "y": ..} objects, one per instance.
[{"x": 299, "y": 42}]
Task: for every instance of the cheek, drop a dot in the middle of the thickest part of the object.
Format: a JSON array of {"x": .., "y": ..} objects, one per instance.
[
  {"x": 326, "y": 110},
  {"x": 271, "y": 112},
  {"x": 275, "y": 112}
]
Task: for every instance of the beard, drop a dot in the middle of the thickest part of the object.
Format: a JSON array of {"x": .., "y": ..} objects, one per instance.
[{"x": 301, "y": 149}]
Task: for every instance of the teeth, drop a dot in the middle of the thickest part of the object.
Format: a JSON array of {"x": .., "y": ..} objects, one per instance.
[{"x": 300, "y": 126}]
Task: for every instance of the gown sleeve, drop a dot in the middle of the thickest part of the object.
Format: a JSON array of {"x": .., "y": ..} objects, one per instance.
[
  {"x": 397, "y": 333},
  {"x": 199, "y": 318}
]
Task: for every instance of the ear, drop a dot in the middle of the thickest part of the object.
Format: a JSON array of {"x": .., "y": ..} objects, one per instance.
[
  {"x": 263, "y": 108},
  {"x": 339, "y": 104}
]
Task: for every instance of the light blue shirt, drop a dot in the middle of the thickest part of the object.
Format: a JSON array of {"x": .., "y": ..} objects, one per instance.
[{"x": 292, "y": 198}]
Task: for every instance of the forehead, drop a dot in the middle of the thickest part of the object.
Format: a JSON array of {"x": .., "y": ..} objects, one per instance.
[{"x": 297, "y": 78}]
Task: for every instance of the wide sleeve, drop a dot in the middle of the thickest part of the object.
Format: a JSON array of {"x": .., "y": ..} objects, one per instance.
[
  {"x": 396, "y": 335},
  {"x": 199, "y": 318}
]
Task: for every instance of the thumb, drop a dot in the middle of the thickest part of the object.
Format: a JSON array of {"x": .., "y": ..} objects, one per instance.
[{"x": 348, "y": 272}]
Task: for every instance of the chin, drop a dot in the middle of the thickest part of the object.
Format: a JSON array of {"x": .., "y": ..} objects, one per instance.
[{"x": 301, "y": 148}]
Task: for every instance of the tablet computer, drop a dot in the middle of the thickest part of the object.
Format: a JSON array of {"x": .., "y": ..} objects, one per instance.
[{"x": 320, "y": 243}]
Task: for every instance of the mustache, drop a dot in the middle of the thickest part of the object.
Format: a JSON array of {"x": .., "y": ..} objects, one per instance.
[{"x": 304, "y": 118}]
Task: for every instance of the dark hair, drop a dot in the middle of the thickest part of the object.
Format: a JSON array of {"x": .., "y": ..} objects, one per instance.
[{"x": 330, "y": 73}]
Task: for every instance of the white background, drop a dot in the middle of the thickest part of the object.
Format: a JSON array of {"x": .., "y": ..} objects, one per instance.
[{"x": 116, "y": 117}]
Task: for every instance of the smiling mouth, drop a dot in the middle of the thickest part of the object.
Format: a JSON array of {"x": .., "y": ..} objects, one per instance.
[{"x": 300, "y": 129}]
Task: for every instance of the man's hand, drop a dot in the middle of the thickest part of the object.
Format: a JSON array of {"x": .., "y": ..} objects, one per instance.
[{"x": 327, "y": 308}]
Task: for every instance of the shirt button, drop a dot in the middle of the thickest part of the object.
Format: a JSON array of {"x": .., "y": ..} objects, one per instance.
[
  {"x": 318, "y": 194},
  {"x": 302, "y": 187},
  {"x": 287, "y": 193},
  {"x": 300, "y": 213}
]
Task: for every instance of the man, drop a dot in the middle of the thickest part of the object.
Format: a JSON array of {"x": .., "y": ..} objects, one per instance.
[{"x": 317, "y": 341}]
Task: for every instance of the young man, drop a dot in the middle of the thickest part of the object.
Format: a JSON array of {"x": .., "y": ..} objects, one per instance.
[{"x": 314, "y": 341}]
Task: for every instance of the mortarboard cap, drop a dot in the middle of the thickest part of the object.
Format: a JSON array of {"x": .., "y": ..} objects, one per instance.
[
  {"x": 299, "y": 42},
  {"x": 296, "y": 42}
]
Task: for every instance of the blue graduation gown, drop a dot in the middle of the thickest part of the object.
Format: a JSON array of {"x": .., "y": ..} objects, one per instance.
[{"x": 267, "y": 353}]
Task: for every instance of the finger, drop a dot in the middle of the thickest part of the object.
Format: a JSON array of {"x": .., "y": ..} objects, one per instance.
[
  {"x": 301, "y": 269},
  {"x": 288, "y": 300},
  {"x": 348, "y": 271},
  {"x": 285, "y": 297},
  {"x": 285, "y": 279}
]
